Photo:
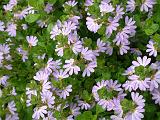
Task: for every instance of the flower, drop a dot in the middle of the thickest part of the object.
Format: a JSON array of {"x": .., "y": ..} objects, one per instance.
[
  {"x": 70, "y": 67},
  {"x": 156, "y": 95},
  {"x": 65, "y": 92},
  {"x": 151, "y": 48},
  {"x": 55, "y": 30},
  {"x": 138, "y": 110},
  {"x": 46, "y": 86},
  {"x": 141, "y": 61},
  {"x": 71, "y": 3},
  {"x": 12, "y": 107},
  {"x": 60, "y": 74},
  {"x": 89, "y": 68},
  {"x": 41, "y": 76},
  {"x": 39, "y": 112},
  {"x": 92, "y": 25},
  {"x": 112, "y": 26},
  {"x": 87, "y": 54},
  {"x": 2, "y": 26},
  {"x": 12, "y": 117},
  {"x": 23, "y": 53},
  {"x": 131, "y": 5},
  {"x": 77, "y": 47},
  {"x": 3, "y": 80},
  {"x": 147, "y": 4},
  {"x": 101, "y": 46},
  {"x": 41, "y": 23},
  {"x": 68, "y": 26},
  {"x": 109, "y": 48},
  {"x": 155, "y": 81},
  {"x": 11, "y": 29},
  {"x": 124, "y": 48},
  {"x": 48, "y": 98},
  {"x": 32, "y": 40},
  {"x": 24, "y": 26},
  {"x": 48, "y": 8},
  {"x": 74, "y": 109},
  {"x": 106, "y": 7},
  {"x": 119, "y": 12},
  {"x": 83, "y": 105},
  {"x": 59, "y": 49},
  {"x": 4, "y": 48}
]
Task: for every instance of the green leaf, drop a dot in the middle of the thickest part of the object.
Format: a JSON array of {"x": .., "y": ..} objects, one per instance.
[
  {"x": 85, "y": 95},
  {"x": 52, "y": 1},
  {"x": 87, "y": 115},
  {"x": 99, "y": 109},
  {"x": 152, "y": 29},
  {"x": 32, "y": 18}
]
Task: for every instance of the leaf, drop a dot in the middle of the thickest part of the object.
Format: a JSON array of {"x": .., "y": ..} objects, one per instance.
[
  {"x": 87, "y": 115},
  {"x": 32, "y": 18},
  {"x": 152, "y": 29},
  {"x": 99, "y": 109},
  {"x": 52, "y": 1}
]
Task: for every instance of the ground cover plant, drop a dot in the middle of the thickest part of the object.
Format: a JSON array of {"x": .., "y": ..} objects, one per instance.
[{"x": 79, "y": 60}]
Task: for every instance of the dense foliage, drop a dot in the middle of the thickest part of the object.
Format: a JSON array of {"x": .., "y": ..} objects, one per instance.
[{"x": 79, "y": 59}]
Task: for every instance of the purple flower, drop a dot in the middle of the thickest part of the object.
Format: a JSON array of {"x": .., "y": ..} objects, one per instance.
[
  {"x": 12, "y": 107},
  {"x": 3, "y": 80},
  {"x": 55, "y": 30},
  {"x": 70, "y": 67},
  {"x": 139, "y": 109},
  {"x": 71, "y": 3},
  {"x": 59, "y": 75},
  {"x": 11, "y": 29},
  {"x": 68, "y": 26},
  {"x": 48, "y": 8},
  {"x": 136, "y": 51},
  {"x": 124, "y": 48},
  {"x": 109, "y": 48},
  {"x": 65, "y": 92},
  {"x": 83, "y": 105},
  {"x": 156, "y": 95},
  {"x": 59, "y": 49},
  {"x": 131, "y": 5},
  {"x": 147, "y": 4},
  {"x": 113, "y": 24},
  {"x": 41, "y": 76},
  {"x": 23, "y": 53},
  {"x": 77, "y": 47},
  {"x": 106, "y": 7},
  {"x": 92, "y": 24},
  {"x": 75, "y": 110},
  {"x": 48, "y": 98},
  {"x": 89, "y": 68},
  {"x": 41, "y": 23},
  {"x": 2, "y": 26},
  {"x": 32, "y": 40},
  {"x": 151, "y": 48},
  {"x": 5, "y": 49},
  {"x": 119, "y": 12},
  {"x": 87, "y": 54},
  {"x": 39, "y": 112},
  {"x": 141, "y": 61},
  {"x": 155, "y": 81}
]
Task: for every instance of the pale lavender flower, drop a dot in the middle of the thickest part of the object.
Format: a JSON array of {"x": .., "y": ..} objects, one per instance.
[
  {"x": 32, "y": 40},
  {"x": 11, "y": 29},
  {"x": 136, "y": 51},
  {"x": 65, "y": 92},
  {"x": 41, "y": 23},
  {"x": 106, "y": 7},
  {"x": 71, "y": 3},
  {"x": 109, "y": 48},
  {"x": 59, "y": 49},
  {"x": 12, "y": 107},
  {"x": 23, "y": 53},
  {"x": 1, "y": 57},
  {"x": 131, "y": 5},
  {"x": 155, "y": 81},
  {"x": 77, "y": 47},
  {"x": 48, "y": 98},
  {"x": 8, "y": 7},
  {"x": 39, "y": 112},
  {"x": 119, "y": 12},
  {"x": 71, "y": 67},
  {"x": 12, "y": 117},
  {"x": 48, "y": 8},
  {"x": 29, "y": 94},
  {"x": 84, "y": 105},
  {"x": 74, "y": 19},
  {"x": 137, "y": 82},
  {"x": 141, "y": 61},
  {"x": 75, "y": 110},
  {"x": 55, "y": 30},
  {"x": 2, "y": 26},
  {"x": 4, "y": 48},
  {"x": 139, "y": 109},
  {"x": 89, "y": 2},
  {"x": 124, "y": 48},
  {"x": 60, "y": 74},
  {"x": 3, "y": 80},
  {"x": 89, "y": 68},
  {"x": 156, "y": 95},
  {"x": 92, "y": 24},
  {"x": 155, "y": 66},
  {"x": 127, "y": 31},
  {"x": 112, "y": 26},
  {"x": 24, "y": 26},
  {"x": 41, "y": 76},
  {"x": 147, "y": 4},
  {"x": 100, "y": 46},
  {"x": 151, "y": 49},
  {"x": 73, "y": 37},
  {"x": 68, "y": 27},
  {"x": 130, "y": 70},
  {"x": 46, "y": 86},
  {"x": 87, "y": 54},
  {"x": 49, "y": 116}
]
